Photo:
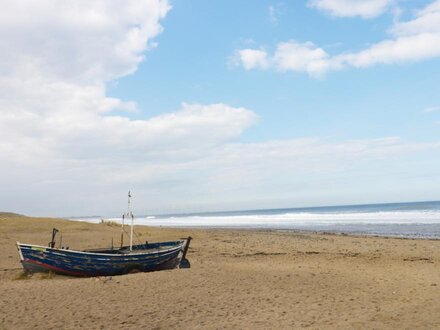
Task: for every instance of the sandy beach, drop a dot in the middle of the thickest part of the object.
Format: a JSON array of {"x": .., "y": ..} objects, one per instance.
[{"x": 238, "y": 279}]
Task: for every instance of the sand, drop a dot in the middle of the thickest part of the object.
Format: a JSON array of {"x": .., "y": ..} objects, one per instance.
[{"x": 237, "y": 280}]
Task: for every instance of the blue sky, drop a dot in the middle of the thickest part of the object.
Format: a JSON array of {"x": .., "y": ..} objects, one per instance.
[
  {"x": 218, "y": 105},
  {"x": 191, "y": 64}
]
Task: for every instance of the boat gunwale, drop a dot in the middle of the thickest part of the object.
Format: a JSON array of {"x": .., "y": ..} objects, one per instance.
[{"x": 180, "y": 245}]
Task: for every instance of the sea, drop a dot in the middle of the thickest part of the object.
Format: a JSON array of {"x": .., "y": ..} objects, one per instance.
[{"x": 411, "y": 220}]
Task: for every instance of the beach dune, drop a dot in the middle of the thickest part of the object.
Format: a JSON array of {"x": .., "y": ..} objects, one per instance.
[{"x": 238, "y": 279}]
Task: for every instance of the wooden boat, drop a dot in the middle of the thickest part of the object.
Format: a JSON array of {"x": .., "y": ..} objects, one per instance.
[{"x": 105, "y": 262}]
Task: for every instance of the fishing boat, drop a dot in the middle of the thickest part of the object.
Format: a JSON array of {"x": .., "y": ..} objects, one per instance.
[{"x": 108, "y": 261}]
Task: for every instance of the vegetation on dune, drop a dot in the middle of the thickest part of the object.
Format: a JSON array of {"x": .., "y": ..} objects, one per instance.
[
  {"x": 10, "y": 215},
  {"x": 110, "y": 223}
]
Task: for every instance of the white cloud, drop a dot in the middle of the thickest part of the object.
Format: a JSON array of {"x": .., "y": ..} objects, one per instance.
[
  {"x": 299, "y": 169},
  {"x": 80, "y": 42},
  {"x": 275, "y": 11},
  {"x": 426, "y": 21},
  {"x": 414, "y": 40},
  {"x": 403, "y": 49},
  {"x": 289, "y": 56},
  {"x": 272, "y": 15},
  {"x": 62, "y": 120},
  {"x": 310, "y": 156},
  {"x": 65, "y": 150},
  {"x": 55, "y": 58},
  {"x": 350, "y": 8},
  {"x": 306, "y": 57},
  {"x": 252, "y": 59},
  {"x": 59, "y": 132},
  {"x": 431, "y": 109}
]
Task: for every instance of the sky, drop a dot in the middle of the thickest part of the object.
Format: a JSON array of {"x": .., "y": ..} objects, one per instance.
[{"x": 201, "y": 106}]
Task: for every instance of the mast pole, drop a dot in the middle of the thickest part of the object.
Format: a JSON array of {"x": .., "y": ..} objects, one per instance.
[
  {"x": 129, "y": 213},
  {"x": 122, "y": 231},
  {"x": 131, "y": 233}
]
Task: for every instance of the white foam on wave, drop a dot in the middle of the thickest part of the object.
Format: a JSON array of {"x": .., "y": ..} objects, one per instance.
[{"x": 290, "y": 220}]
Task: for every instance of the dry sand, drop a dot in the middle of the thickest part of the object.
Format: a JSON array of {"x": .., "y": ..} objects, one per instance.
[{"x": 238, "y": 280}]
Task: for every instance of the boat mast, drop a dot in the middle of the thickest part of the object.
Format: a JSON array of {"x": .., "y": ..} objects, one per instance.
[
  {"x": 122, "y": 231},
  {"x": 130, "y": 214}
]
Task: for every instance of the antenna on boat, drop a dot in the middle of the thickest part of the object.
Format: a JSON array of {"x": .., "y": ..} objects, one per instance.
[{"x": 129, "y": 202}]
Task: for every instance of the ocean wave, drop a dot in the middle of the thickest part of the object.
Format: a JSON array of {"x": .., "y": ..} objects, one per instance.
[{"x": 291, "y": 219}]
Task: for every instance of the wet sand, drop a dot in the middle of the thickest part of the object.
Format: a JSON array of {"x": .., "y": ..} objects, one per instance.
[{"x": 238, "y": 280}]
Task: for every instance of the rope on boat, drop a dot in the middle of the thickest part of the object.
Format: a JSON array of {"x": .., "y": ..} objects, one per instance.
[{"x": 137, "y": 237}]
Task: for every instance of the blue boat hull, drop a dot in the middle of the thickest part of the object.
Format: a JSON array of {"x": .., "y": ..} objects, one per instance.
[{"x": 143, "y": 258}]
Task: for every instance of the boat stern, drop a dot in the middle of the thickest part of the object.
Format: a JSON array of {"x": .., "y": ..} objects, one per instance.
[
  {"x": 28, "y": 267},
  {"x": 19, "y": 251},
  {"x": 184, "y": 263}
]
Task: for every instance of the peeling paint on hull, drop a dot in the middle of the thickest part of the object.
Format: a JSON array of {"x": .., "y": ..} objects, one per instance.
[{"x": 144, "y": 257}]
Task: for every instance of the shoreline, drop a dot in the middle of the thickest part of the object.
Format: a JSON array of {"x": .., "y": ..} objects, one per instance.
[{"x": 261, "y": 228}]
